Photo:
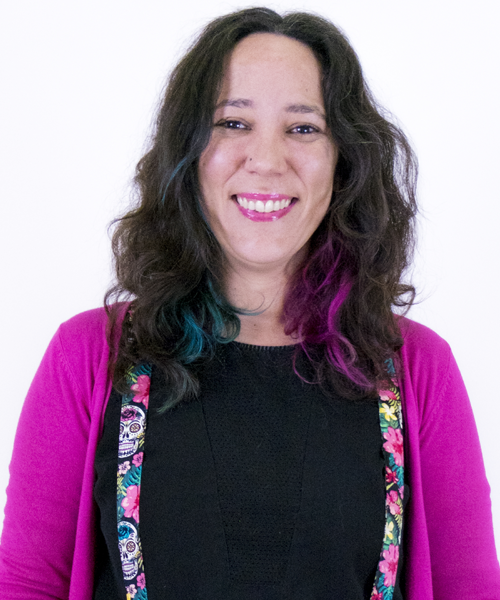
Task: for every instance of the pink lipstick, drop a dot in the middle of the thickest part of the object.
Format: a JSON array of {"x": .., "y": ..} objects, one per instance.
[{"x": 264, "y": 207}]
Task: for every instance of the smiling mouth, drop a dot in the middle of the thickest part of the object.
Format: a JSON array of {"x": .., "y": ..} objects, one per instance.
[{"x": 264, "y": 207}]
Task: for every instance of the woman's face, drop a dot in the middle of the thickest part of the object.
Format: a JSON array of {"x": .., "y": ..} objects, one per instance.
[{"x": 267, "y": 173}]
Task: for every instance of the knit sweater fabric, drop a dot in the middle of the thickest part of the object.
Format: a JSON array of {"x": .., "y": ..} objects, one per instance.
[{"x": 47, "y": 546}]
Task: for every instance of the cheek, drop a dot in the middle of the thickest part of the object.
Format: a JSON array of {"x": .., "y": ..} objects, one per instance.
[
  {"x": 217, "y": 163},
  {"x": 320, "y": 181},
  {"x": 212, "y": 173},
  {"x": 318, "y": 167}
]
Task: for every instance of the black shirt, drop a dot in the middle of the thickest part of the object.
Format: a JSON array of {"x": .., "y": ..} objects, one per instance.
[{"x": 263, "y": 488}]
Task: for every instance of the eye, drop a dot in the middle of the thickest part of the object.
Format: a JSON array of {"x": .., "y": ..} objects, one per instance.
[
  {"x": 231, "y": 124},
  {"x": 304, "y": 129}
]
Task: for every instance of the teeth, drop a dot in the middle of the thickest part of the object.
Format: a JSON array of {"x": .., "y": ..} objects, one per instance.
[{"x": 260, "y": 206}]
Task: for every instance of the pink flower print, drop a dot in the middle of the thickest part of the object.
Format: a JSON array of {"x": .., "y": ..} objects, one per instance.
[
  {"x": 378, "y": 596},
  {"x": 394, "y": 445},
  {"x": 142, "y": 389},
  {"x": 124, "y": 467},
  {"x": 402, "y": 492},
  {"x": 141, "y": 581},
  {"x": 131, "y": 502},
  {"x": 387, "y": 395},
  {"x": 131, "y": 591},
  {"x": 137, "y": 460},
  {"x": 394, "y": 502},
  {"x": 389, "y": 566},
  {"x": 390, "y": 476}
]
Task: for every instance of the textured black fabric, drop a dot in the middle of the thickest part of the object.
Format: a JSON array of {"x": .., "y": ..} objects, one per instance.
[
  {"x": 257, "y": 424},
  {"x": 264, "y": 488}
]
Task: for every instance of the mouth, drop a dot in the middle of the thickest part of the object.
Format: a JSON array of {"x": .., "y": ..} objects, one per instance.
[{"x": 264, "y": 207}]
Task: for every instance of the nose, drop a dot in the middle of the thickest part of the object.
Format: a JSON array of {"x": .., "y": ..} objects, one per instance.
[{"x": 266, "y": 154}]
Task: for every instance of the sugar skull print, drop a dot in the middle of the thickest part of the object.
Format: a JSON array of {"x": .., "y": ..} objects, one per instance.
[
  {"x": 128, "y": 544},
  {"x": 132, "y": 427}
]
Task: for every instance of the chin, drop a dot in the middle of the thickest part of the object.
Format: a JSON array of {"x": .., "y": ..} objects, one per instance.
[{"x": 270, "y": 258}]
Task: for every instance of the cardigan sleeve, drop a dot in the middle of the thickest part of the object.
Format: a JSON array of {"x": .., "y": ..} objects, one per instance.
[
  {"x": 46, "y": 473},
  {"x": 456, "y": 492}
]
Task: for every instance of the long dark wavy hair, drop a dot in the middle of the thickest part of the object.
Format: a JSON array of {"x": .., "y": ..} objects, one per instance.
[{"x": 170, "y": 266}]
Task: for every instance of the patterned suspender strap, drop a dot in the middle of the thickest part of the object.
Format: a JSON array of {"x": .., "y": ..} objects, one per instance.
[
  {"x": 391, "y": 426},
  {"x": 133, "y": 421}
]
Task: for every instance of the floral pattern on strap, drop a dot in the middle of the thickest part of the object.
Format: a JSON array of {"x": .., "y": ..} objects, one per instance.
[
  {"x": 133, "y": 422},
  {"x": 391, "y": 426}
]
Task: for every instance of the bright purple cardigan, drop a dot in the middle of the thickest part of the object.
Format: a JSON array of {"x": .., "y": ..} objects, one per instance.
[{"x": 47, "y": 547}]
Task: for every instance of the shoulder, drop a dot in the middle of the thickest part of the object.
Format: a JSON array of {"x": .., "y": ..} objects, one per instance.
[
  {"x": 90, "y": 328},
  {"x": 84, "y": 335},
  {"x": 421, "y": 344},
  {"x": 90, "y": 324},
  {"x": 429, "y": 371},
  {"x": 82, "y": 343},
  {"x": 425, "y": 360}
]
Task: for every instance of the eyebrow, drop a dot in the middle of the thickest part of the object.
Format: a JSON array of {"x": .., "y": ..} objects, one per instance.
[
  {"x": 237, "y": 102},
  {"x": 301, "y": 109}
]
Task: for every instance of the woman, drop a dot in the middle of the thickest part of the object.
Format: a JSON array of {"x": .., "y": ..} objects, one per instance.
[{"x": 246, "y": 398}]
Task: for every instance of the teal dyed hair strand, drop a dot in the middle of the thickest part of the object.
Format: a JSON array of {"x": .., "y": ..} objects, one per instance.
[{"x": 172, "y": 176}]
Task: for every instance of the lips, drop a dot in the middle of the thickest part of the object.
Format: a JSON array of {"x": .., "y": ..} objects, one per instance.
[{"x": 264, "y": 207}]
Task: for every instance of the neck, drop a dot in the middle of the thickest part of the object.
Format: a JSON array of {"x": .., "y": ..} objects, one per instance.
[{"x": 260, "y": 292}]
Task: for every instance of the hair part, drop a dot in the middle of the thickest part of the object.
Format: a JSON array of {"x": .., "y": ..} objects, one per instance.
[{"x": 171, "y": 267}]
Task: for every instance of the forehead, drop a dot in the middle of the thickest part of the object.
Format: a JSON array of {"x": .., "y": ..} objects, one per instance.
[{"x": 267, "y": 62}]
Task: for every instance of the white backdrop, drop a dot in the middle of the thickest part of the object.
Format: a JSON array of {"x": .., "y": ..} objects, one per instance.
[{"x": 79, "y": 82}]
